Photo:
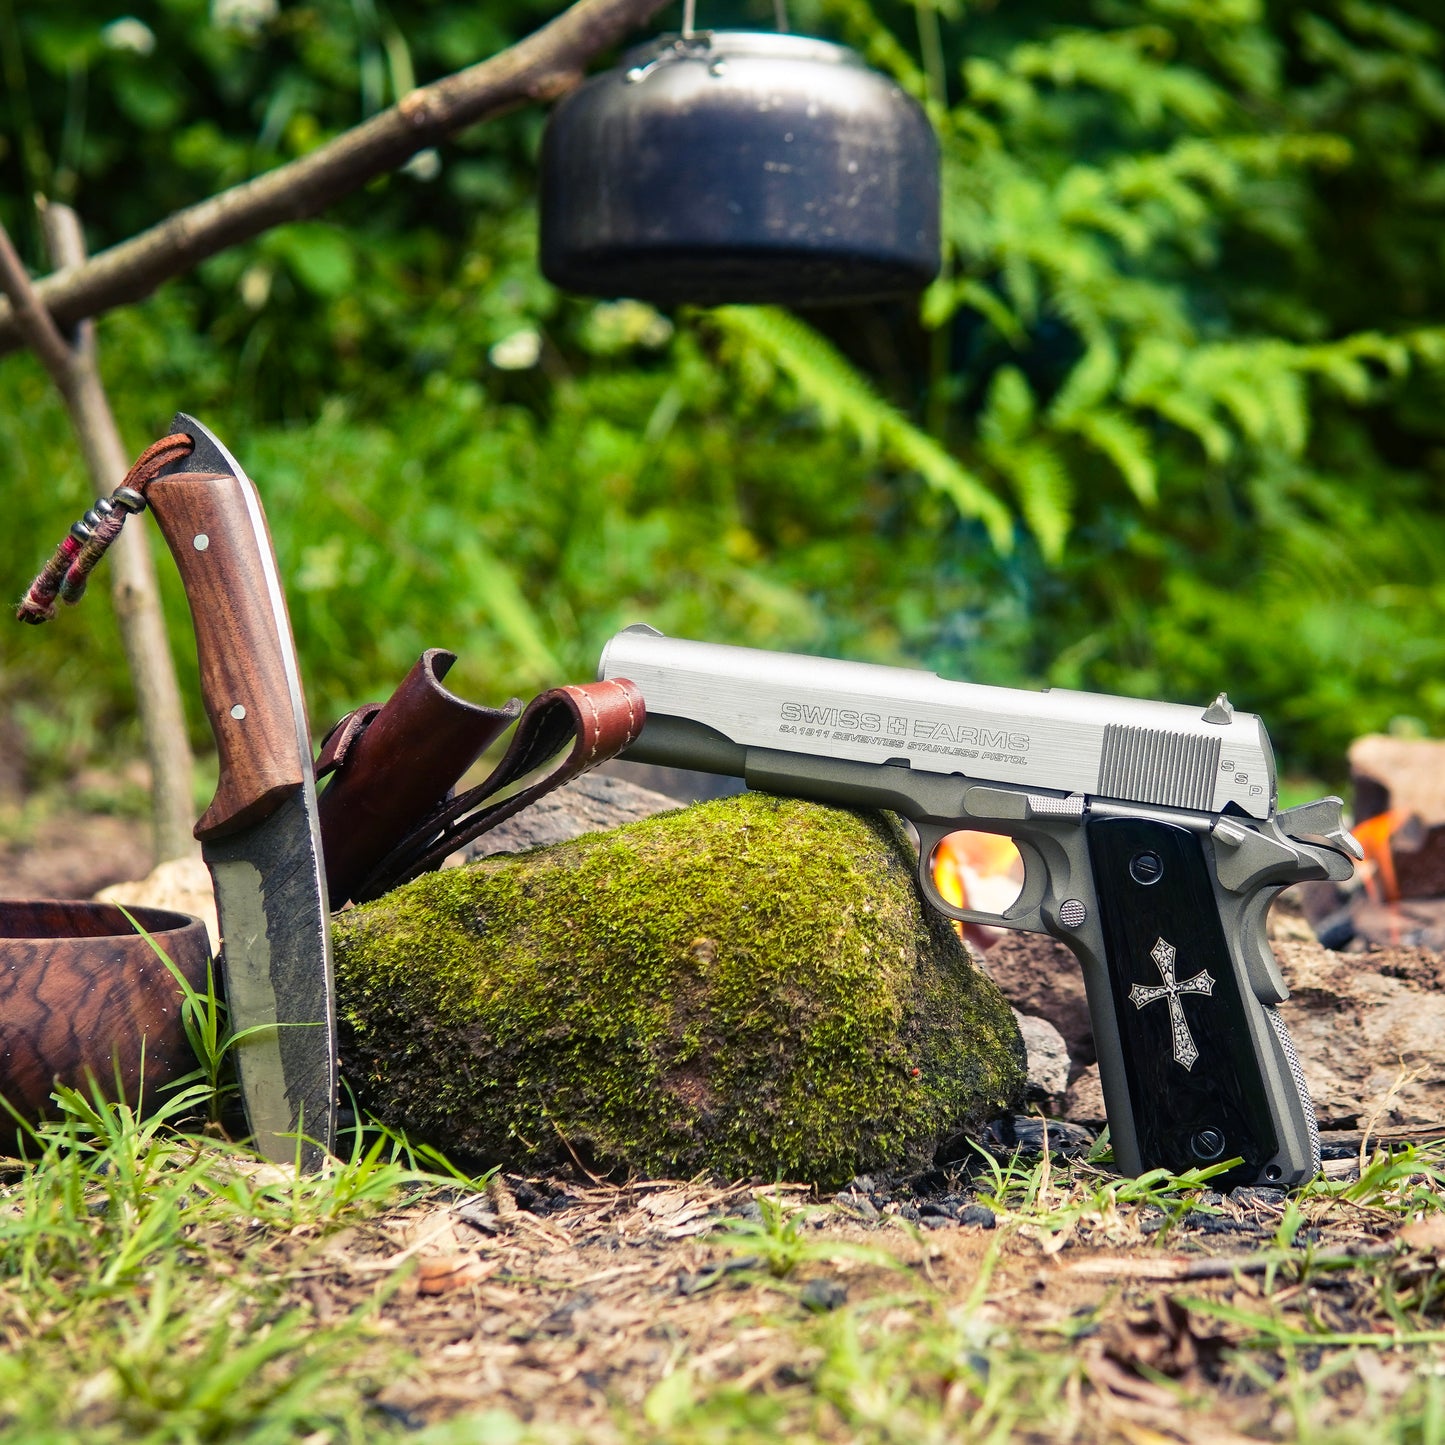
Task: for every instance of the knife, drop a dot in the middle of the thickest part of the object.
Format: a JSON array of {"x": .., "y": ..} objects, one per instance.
[{"x": 260, "y": 835}]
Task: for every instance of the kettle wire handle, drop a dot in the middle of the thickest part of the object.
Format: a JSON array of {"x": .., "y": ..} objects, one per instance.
[{"x": 689, "y": 16}]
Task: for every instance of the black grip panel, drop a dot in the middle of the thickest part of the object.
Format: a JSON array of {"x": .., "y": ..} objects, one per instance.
[{"x": 1195, "y": 1085}]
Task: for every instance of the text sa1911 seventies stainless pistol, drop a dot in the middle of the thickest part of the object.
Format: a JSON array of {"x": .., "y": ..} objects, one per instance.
[{"x": 1151, "y": 843}]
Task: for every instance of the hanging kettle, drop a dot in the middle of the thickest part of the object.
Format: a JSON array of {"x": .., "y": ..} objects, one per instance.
[{"x": 749, "y": 166}]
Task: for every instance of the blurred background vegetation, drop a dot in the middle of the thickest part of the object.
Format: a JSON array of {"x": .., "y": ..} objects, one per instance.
[{"x": 1172, "y": 421}]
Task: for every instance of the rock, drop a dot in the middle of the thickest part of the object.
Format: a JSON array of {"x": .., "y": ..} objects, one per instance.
[
  {"x": 1406, "y": 773},
  {"x": 747, "y": 987},
  {"x": 180, "y": 884},
  {"x": 1399, "y": 797},
  {"x": 1040, "y": 977},
  {"x": 683, "y": 785},
  {"x": 1084, "y": 1103},
  {"x": 1370, "y": 1030},
  {"x": 1048, "y": 1058},
  {"x": 589, "y": 804},
  {"x": 1410, "y": 923}
]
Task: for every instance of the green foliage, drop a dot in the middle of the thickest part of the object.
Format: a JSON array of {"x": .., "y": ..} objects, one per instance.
[
  {"x": 132, "y": 1303},
  {"x": 1169, "y": 421}
]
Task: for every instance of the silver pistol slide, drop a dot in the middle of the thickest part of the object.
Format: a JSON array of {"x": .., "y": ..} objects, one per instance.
[{"x": 1151, "y": 842}]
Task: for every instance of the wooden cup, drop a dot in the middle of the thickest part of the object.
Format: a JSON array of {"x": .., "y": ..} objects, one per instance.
[{"x": 80, "y": 990}]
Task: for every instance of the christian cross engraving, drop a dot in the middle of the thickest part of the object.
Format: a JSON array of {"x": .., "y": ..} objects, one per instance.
[{"x": 1162, "y": 953}]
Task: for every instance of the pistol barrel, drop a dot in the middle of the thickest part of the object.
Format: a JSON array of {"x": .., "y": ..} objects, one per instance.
[{"x": 1129, "y": 749}]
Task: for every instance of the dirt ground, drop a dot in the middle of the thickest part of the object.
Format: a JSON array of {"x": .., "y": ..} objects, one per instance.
[
  {"x": 66, "y": 854},
  {"x": 569, "y": 1302}
]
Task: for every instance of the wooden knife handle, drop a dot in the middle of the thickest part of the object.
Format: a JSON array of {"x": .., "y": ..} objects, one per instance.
[{"x": 217, "y": 544}]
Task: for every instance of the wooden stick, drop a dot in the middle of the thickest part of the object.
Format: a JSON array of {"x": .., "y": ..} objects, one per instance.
[
  {"x": 543, "y": 66},
  {"x": 1168, "y": 1269},
  {"x": 72, "y": 367},
  {"x": 134, "y": 591}
]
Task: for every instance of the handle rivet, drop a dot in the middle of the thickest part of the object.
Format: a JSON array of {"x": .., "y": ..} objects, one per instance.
[
  {"x": 238, "y": 712},
  {"x": 200, "y": 541},
  {"x": 1072, "y": 913}
]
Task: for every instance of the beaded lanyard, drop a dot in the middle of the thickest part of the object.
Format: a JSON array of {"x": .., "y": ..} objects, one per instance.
[{"x": 66, "y": 573}]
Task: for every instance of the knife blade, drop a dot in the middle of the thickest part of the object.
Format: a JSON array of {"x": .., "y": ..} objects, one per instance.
[{"x": 260, "y": 835}]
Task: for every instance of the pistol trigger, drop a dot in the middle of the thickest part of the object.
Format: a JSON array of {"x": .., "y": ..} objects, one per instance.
[{"x": 1260, "y": 965}]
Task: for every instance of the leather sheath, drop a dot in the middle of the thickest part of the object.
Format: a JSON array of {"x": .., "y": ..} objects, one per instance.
[
  {"x": 598, "y": 719},
  {"x": 394, "y": 764}
]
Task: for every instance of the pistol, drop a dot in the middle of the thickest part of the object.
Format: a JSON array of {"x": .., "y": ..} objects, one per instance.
[{"x": 1151, "y": 843}]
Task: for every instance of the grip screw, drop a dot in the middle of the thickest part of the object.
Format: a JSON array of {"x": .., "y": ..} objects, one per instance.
[
  {"x": 1146, "y": 867},
  {"x": 1207, "y": 1144}
]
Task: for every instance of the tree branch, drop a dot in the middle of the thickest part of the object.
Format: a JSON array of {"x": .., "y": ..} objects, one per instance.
[
  {"x": 31, "y": 321},
  {"x": 541, "y": 67}
]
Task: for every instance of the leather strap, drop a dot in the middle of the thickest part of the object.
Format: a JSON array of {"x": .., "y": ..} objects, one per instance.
[
  {"x": 394, "y": 764},
  {"x": 600, "y": 719}
]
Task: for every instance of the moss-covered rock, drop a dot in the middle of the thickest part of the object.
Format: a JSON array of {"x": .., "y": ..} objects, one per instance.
[{"x": 747, "y": 987}]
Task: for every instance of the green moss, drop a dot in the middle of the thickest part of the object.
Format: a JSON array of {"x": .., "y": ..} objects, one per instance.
[{"x": 747, "y": 987}]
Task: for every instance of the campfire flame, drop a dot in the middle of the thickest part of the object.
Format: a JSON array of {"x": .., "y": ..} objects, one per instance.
[
  {"x": 978, "y": 870},
  {"x": 1378, "y": 869}
]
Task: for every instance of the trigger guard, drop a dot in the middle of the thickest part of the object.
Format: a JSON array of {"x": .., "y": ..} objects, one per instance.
[{"x": 1023, "y": 912}]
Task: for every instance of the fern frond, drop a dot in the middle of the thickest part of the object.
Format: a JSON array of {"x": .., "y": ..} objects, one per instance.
[
  {"x": 945, "y": 298},
  {"x": 1008, "y": 413},
  {"x": 1129, "y": 64},
  {"x": 843, "y": 397},
  {"x": 1044, "y": 489},
  {"x": 1126, "y": 444},
  {"x": 1090, "y": 381}
]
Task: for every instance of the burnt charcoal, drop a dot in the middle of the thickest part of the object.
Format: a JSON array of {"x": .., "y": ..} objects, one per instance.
[
  {"x": 1336, "y": 929},
  {"x": 1152, "y": 1219},
  {"x": 1418, "y": 852},
  {"x": 1223, "y": 1224},
  {"x": 979, "y": 1214},
  {"x": 823, "y": 1294},
  {"x": 935, "y": 1207},
  {"x": 1066, "y": 1140},
  {"x": 931, "y": 1181},
  {"x": 1258, "y": 1196},
  {"x": 859, "y": 1206}
]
